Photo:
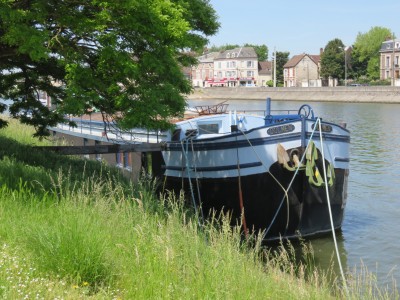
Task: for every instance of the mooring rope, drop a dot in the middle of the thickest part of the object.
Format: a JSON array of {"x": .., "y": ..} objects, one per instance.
[
  {"x": 197, "y": 182},
  {"x": 330, "y": 210},
  {"x": 188, "y": 174},
  {"x": 260, "y": 160},
  {"x": 241, "y": 205},
  {"x": 285, "y": 190}
]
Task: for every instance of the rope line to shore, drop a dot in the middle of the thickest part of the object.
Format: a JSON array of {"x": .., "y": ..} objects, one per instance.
[
  {"x": 286, "y": 196},
  {"x": 330, "y": 210}
]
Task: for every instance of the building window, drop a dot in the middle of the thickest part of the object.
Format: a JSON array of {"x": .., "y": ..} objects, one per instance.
[
  {"x": 397, "y": 61},
  {"x": 387, "y": 61},
  {"x": 219, "y": 65},
  {"x": 387, "y": 75},
  {"x": 249, "y": 63},
  {"x": 250, "y": 73},
  {"x": 234, "y": 64}
]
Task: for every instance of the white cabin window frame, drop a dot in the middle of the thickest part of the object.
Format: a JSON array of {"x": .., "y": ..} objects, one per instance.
[{"x": 209, "y": 127}]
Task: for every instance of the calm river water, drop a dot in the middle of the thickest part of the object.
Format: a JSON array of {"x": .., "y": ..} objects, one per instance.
[{"x": 371, "y": 229}]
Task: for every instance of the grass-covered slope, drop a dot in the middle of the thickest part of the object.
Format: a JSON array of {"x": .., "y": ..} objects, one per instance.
[{"x": 74, "y": 229}]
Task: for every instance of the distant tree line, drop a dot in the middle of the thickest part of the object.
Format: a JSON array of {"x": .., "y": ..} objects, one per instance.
[{"x": 361, "y": 59}]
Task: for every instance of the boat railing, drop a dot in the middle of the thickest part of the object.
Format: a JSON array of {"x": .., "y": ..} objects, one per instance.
[
  {"x": 101, "y": 129},
  {"x": 264, "y": 112},
  {"x": 219, "y": 108}
]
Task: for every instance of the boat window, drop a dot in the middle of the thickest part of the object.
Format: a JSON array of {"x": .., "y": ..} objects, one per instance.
[{"x": 208, "y": 128}]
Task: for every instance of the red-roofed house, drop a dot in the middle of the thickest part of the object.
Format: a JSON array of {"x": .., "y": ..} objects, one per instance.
[{"x": 302, "y": 71}]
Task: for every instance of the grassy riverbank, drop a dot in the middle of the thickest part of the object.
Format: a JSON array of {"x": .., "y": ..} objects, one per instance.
[{"x": 74, "y": 229}]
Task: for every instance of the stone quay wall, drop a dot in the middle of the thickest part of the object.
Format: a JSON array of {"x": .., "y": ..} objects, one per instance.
[{"x": 368, "y": 94}]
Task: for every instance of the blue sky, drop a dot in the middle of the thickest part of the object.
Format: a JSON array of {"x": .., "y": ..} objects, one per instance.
[{"x": 301, "y": 26}]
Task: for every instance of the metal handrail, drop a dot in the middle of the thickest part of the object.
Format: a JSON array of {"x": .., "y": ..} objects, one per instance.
[
  {"x": 98, "y": 127},
  {"x": 263, "y": 112}
]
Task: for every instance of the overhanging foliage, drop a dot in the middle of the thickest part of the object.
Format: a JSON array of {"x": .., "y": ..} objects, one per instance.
[{"x": 124, "y": 58}]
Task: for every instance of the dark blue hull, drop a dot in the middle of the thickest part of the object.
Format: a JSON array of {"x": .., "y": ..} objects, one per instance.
[{"x": 304, "y": 213}]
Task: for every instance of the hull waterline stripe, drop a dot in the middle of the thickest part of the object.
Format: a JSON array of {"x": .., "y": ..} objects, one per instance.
[
  {"x": 342, "y": 159},
  {"x": 217, "y": 168}
]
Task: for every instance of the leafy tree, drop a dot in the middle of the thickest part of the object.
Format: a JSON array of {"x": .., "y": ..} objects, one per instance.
[
  {"x": 356, "y": 68},
  {"x": 222, "y": 48},
  {"x": 122, "y": 57},
  {"x": 332, "y": 59},
  {"x": 281, "y": 59},
  {"x": 261, "y": 51},
  {"x": 366, "y": 51}
]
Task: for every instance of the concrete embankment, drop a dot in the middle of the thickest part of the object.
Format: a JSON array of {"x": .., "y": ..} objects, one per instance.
[{"x": 382, "y": 94}]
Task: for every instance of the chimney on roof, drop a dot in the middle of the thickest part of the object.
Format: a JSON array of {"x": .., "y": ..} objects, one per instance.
[{"x": 321, "y": 51}]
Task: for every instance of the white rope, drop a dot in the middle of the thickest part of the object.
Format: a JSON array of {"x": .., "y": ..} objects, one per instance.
[
  {"x": 290, "y": 185},
  {"x": 288, "y": 188},
  {"x": 197, "y": 182},
  {"x": 265, "y": 167},
  {"x": 330, "y": 211},
  {"x": 185, "y": 153}
]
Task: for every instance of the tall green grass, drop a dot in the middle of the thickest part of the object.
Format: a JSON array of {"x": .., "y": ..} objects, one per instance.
[{"x": 73, "y": 230}]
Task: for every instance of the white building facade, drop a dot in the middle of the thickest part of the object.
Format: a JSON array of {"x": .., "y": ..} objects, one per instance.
[
  {"x": 389, "y": 61},
  {"x": 236, "y": 67}
]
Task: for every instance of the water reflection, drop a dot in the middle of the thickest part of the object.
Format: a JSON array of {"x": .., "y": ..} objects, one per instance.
[{"x": 325, "y": 256}]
